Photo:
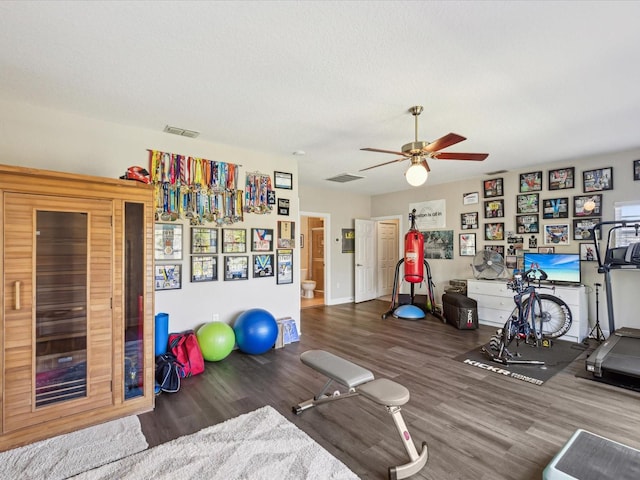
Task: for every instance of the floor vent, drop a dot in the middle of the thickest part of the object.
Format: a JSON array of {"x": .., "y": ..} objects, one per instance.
[{"x": 344, "y": 177}]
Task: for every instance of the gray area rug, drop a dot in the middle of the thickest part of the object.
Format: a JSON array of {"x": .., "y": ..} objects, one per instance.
[
  {"x": 258, "y": 445},
  {"x": 556, "y": 358},
  {"x": 67, "y": 455}
]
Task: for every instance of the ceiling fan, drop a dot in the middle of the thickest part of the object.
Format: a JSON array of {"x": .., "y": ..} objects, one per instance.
[{"x": 418, "y": 152}]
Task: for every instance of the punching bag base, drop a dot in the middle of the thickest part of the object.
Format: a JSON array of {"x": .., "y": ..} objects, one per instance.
[{"x": 409, "y": 312}]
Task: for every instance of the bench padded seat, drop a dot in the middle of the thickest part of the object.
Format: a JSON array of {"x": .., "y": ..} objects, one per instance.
[
  {"x": 342, "y": 371},
  {"x": 385, "y": 392}
]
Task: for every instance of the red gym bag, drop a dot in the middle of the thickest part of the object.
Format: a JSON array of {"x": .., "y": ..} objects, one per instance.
[{"x": 187, "y": 351}]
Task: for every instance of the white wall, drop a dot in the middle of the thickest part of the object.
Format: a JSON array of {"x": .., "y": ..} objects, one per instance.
[
  {"x": 54, "y": 140},
  {"x": 343, "y": 207},
  {"x": 625, "y": 189}
]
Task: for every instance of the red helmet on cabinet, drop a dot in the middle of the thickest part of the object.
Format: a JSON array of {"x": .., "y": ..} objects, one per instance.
[{"x": 137, "y": 173}]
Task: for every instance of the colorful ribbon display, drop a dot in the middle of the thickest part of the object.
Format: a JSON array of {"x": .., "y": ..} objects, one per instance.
[{"x": 195, "y": 188}]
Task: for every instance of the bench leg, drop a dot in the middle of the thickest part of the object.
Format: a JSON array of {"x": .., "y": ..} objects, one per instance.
[
  {"x": 418, "y": 461},
  {"x": 307, "y": 404}
]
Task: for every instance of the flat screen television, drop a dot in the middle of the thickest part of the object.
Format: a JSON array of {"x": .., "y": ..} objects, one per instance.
[{"x": 559, "y": 267}]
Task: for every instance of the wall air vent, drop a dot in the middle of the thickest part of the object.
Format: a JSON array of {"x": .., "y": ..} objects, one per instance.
[
  {"x": 497, "y": 172},
  {"x": 181, "y": 131},
  {"x": 344, "y": 177}
]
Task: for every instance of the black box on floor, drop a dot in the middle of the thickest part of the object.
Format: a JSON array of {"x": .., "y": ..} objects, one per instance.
[{"x": 460, "y": 311}]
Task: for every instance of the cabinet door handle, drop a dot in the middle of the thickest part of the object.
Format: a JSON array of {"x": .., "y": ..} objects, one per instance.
[{"x": 17, "y": 295}]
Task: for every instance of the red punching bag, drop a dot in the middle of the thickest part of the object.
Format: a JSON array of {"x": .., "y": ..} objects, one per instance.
[{"x": 413, "y": 253}]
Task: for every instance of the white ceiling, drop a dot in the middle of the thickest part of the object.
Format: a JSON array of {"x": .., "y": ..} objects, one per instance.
[{"x": 526, "y": 82}]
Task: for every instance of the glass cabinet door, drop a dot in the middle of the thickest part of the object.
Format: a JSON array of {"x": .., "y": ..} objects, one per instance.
[
  {"x": 134, "y": 230},
  {"x": 61, "y": 306}
]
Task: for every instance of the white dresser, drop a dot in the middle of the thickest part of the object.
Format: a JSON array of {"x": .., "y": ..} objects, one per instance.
[{"x": 495, "y": 304}]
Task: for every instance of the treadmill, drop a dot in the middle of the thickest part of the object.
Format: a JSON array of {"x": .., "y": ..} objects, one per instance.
[{"x": 620, "y": 353}]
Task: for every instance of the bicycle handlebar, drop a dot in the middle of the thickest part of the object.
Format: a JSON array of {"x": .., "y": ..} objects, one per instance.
[
  {"x": 517, "y": 284},
  {"x": 531, "y": 274}
]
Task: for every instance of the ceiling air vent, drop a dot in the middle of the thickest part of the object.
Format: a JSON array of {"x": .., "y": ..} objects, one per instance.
[
  {"x": 497, "y": 172},
  {"x": 181, "y": 131},
  {"x": 344, "y": 177}
]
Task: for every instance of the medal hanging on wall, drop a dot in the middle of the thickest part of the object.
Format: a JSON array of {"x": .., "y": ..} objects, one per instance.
[{"x": 257, "y": 193}]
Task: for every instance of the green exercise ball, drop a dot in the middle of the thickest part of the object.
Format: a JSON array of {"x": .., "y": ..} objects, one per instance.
[{"x": 216, "y": 340}]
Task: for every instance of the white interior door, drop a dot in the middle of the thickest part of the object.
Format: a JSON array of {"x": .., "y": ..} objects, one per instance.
[
  {"x": 365, "y": 267},
  {"x": 387, "y": 246}
]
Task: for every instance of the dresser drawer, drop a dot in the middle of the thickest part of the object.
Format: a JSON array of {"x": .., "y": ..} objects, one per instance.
[
  {"x": 492, "y": 316},
  {"x": 498, "y": 288}
]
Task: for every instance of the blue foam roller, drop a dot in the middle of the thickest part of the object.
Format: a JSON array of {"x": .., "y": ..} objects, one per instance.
[{"x": 162, "y": 333}]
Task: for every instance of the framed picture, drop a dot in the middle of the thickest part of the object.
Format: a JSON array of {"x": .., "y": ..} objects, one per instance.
[
  {"x": 285, "y": 266},
  {"x": 204, "y": 240},
  {"x": 597, "y": 180},
  {"x": 589, "y": 201},
  {"x": 587, "y": 252},
  {"x": 499, "y": 249},
  {"x": 555, "y": 208},
  {"x": 546, "y": 249},
  {"x": 527, "y": 224},
  {"x": 204, "y": 268},
  {"x": 234, "y": 240},
  {"x": 283, "y": 206},
  {"x": 511, "y": 262},
  {"x": 167, "y": 241},
  {"x": 494, "y": 208},
  {"x": 582, "y": 228},
  {"x": 494, "y": 231},
  {"x": 236, "y": 267},
  {"x": 473, "y": 197},
  {"x": 261, "y": 239},
  {"x": 556, "y": 234},
  {"x": 469, "y": 221},
  {"x": 562, "y": 178},
  {"x": 467, "y": 244},
  {"x": 493, "y": 188},
  {"x": 527, "y": 203},
  {"x": 530, "y": 182},
  {"x": 438, "y": 244},
  {"x": 636, "y": 169},
  {"x": 168, "y": 277},
  {"x": 263, "y": 265},
  {"x": 283, "y": 180},
  {"x": 286, "y": 234}
]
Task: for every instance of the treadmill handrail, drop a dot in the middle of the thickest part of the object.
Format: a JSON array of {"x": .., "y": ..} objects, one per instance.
[{"x": 635, "y": 223}]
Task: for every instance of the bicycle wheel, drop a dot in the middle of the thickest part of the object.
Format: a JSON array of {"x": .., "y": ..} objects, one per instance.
[
  {"x": 551, "y": 315},
  {"x": 509, "y": 332}
]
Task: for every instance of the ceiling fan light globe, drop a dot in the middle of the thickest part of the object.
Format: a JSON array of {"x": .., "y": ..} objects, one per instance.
[{"x": 416, "y": 175}]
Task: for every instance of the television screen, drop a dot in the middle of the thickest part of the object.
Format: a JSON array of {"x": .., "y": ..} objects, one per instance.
[{"x": 560, "y": 267}]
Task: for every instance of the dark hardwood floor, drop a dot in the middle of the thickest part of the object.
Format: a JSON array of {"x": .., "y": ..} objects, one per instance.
[{"x": 478, "y": 425}]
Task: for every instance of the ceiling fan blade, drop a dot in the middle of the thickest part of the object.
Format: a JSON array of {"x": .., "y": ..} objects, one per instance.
[
  {"x": 385, "y": 163},
  {"x": 478, "y": 157},
  {"x": 444, "y": 142},
  {"x": 384, "y": 151},
  {"x": 426, "y": 165}
]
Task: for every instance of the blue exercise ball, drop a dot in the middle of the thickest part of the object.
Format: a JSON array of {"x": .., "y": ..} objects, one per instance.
[{"x": 256, "y": 331}]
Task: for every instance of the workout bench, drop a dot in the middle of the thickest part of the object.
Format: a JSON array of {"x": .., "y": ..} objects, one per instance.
[{"x": 360, "y": 381}]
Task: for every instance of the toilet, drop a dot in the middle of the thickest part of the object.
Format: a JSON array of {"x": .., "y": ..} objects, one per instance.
[{"x": 307, "y": 286}]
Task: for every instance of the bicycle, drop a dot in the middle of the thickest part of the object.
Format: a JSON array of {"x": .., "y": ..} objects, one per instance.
[{"x": 537, "y": 318}]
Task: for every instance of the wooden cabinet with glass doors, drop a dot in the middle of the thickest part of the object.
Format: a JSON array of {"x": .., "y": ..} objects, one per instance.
[{"x": 76, "y": 317}]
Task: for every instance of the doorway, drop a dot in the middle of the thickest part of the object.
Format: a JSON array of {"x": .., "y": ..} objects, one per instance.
[
  {"x": 312, "y": 257},
  {"x": 388, "y": 252}
]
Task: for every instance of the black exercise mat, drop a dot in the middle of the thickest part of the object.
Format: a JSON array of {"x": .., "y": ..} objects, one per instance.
[
  {"x": 611, "y": 378},
  {"x": 556, "y": 358}
]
